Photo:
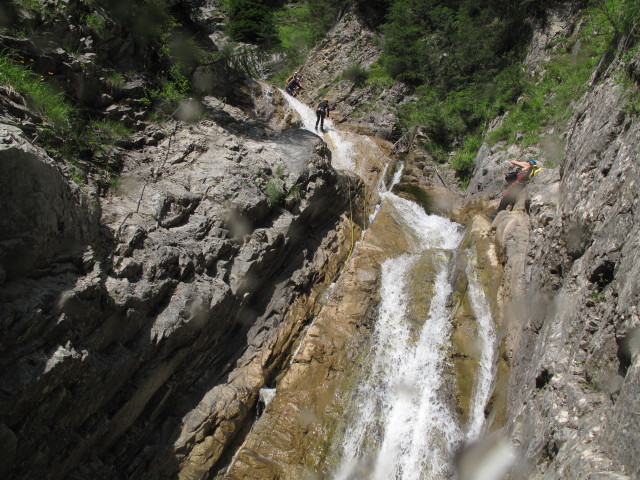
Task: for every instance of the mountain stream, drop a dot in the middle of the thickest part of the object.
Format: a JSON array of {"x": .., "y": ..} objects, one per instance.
[{"x": 386, "y": 411}]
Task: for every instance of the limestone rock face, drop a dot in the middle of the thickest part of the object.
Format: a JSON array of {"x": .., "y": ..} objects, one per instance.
[
  {"x": 351, "y": 43},
  {"x": 44, "y": 215},
  {"x": 582, "y": 297},
  {"x": 140, "y": 344},
  {"x": 569, "y": 297}
]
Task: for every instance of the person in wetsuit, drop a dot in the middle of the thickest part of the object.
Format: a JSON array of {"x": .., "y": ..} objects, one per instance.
[
  {"x": 321, "y": 112},
  {"x": 519, "y": 180}
]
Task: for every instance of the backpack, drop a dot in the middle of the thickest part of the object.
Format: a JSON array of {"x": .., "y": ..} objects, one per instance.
[
  {"x": 511, "y": 176},
  {"x": 322, "y": 108}
]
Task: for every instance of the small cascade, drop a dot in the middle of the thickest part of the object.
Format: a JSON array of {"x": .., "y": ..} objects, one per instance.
[
  {"x": 266, "y": 395},
  {"x": 383, "y": 190},
  {"x": 306, "y": 114},
  {"x": 398, "y": 424},
  {"x": 343, "y": 149},
  {"x": 486, "y": 365}
]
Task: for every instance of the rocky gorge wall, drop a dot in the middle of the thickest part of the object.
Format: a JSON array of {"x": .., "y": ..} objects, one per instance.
[
  {"x": 568, "y": 301},
  {"x": 137, "y": 349}
]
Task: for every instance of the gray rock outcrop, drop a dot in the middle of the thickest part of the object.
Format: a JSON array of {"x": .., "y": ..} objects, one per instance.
[
  {"x": 569, "y": 297},
  {"x": 120, "y": 353}
]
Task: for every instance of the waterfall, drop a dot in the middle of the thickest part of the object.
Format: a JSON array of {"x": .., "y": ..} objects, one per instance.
[
  {"x": 486, "y": 364},
  {"x": 306, "y": 114},
  {"x": 383, "y": 190},
  {"x": 342, "y": 148},
  {"x": 398, "y": 424}
]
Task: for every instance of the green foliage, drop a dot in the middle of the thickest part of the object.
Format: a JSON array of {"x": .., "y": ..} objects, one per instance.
[
  {"x": 45, "y": 99},
  {"x": 95, "y": 21},
  {"x": 549, "y": 100},
  {"x": 105, "y": 132},
  {"x": 449, "y": 44},
  {"x": 378, "y": 76},
  {"x": 623, "y": 16},
  {"x": 463, "y": 161},
  {"x": 76, "y": 175},
  {"x": 274, "y": 192},
  {"x": 250, "y": 21},
  {"x": 456, "y": 110},
  {"x": 115, "y": 80},
  {"x": 173, "y": 89},
  {"x": 355, "y": 74},
  {"x": 373, "y": 12},
  {"x": 589, "y": 385},
  {"x": 323, "y": 15},
  {"x": 275, "y": 188},
  {"x": 294, "y": 35},
  {"x": 300, "y": 25},
  {"x": 33, "y": 5},
  {"x": 114, "y": 182}
]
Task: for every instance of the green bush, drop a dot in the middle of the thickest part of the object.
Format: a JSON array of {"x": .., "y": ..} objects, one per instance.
[
  {"x": 173, "y": 89},
  {"x": 378, "y": 76},
  {"x": 274, "y": 192},
  {"x": 355, "y": 74},
  {"x": 96, "y": 22},
  {"x": 463, "y": 161}
]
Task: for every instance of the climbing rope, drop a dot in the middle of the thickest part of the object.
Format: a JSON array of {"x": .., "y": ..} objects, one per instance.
[{"x": 351, "y": 207}]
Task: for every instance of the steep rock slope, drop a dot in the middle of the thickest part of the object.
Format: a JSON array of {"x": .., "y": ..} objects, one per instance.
[
  {"x": 171, "y": 305},
  {"x": 569, "y": 297},
  {"x": 364, "y": 108}
]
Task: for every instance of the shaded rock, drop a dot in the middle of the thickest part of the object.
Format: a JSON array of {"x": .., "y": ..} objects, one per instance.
[{"x": 45, "y": 214}]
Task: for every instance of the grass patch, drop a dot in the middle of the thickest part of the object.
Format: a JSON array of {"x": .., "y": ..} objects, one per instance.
[
  {"x": 44, "y": 98},
  {"x": 115, "y": 80},
  {"x": 95, "y": 21},
  {"x": 549, "y": 100},
  {"x": 378, "y": 77}
]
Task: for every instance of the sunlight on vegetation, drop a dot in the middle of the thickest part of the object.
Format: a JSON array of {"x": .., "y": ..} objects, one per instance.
[
  {"x": 355, "y": 74},
  {"x": 455, "y": 102},
  {"x": 548, "y": 101},
  {"x": 46, "y": 100}
]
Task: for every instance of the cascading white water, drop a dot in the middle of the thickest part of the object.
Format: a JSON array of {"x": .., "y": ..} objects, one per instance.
[
  {"x": 486, "y": 364},
  {"x": 343, "y": 149},
  {"x": 383, "y": 189},
  {"x": 267, "y": 102},
  {"x": 398, "y": 426}
]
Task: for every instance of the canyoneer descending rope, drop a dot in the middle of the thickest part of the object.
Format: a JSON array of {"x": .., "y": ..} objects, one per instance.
[
  {"x": 295, "y": 86},
  {"x": 322, "y": 111},
  {"x": 517, "y": 181}
]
